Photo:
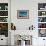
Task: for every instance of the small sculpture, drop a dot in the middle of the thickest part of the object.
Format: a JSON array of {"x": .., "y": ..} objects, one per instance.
[
  {"x": 31, "y": 27},
  {"x": 13, "y": 27}
]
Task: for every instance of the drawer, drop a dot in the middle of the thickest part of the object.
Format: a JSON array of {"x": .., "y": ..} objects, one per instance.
[{"x": 3, "y": 41}]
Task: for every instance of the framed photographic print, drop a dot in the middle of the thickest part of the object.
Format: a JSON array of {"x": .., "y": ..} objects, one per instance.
[
  {"x": 42, "y": 32},
  {"x": 3, "y": 19},
  {"x": 4, "y": 29},
  {"x": 22, "y": 14}
]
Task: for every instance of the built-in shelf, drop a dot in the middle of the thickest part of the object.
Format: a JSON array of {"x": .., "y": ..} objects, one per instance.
[
  {"x": 3, "y": 22},
  {"x": 41, "y": 10},
  {"x": 41, "y": 28},
  {"x": 3, "y": 10},
  {"x": 42, "y": 19},
  {"x": 42, "y": 16},
  {"x": 3, "y": 16},
  {"x": 41, "y": 22},
  {"x": 4, "y": 19}
]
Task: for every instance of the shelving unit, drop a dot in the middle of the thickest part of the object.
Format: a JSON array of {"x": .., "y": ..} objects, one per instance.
[
  {"x": 42, "y": 19},
  {"x": 4, "y": 19}
]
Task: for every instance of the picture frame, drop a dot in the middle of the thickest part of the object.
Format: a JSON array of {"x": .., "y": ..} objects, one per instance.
[
  {"x": 3, "y": 19},
  {"x": 22, "y": 14},
  {"x": 42, "y": 33},
  {"x": 4, "y": 29}
]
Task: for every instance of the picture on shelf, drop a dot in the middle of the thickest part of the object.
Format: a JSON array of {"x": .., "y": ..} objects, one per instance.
[
  {"x": 41, "y": 6},
  {"x": 3, "y": 6},
  {"x": 23, "y": 14},
  {"x": 42, "y": 33},
  {"x": 3, "y": 13},
  {"x": 41, "y": 25},
  {"x": 41, "y": 19},
  {"x": 41, "y": 13},
  {"x": 4, "y": 29},
  {"x": 3, "y": 19}
]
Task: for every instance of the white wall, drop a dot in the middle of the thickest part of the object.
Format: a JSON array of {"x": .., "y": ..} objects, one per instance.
[
  {"x": 23, "y": 24},
  {"x": 32, "y": 6}
]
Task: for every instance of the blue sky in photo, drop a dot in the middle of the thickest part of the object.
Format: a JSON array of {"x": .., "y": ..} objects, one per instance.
[{"x": 23, "y": 13}]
